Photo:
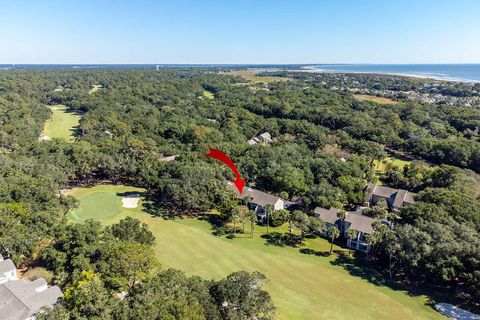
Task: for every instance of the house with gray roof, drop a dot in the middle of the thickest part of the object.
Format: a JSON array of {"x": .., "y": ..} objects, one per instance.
[
  {"x": 353, "y": 220},
  {"x": 258, "y": 200},
  {"x": 169, "y": 158},
  {"x": 22, "y": 299},
  {"x": 329, "y": 216},
  {"x": 8, "y": 271},
  {"x": 265, "y": 138},
  {"x": 395, "y": 198}
]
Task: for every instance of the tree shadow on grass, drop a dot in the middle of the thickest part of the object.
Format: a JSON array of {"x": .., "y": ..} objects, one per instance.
[
  {"x": 281, "y": 240},
  {"x": 357, "y": 266},
  {"x": 131, "y": 194},
  {"x": 314, "y": 252},
  {"x": 153, "y": 206},
  {"x": 217, "y": 224}
]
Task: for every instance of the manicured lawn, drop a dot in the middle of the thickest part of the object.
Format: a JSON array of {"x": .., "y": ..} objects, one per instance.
[
  {"x": 61, "y": 125},
  {"x": 303, "y": 286},
  {"x": 95, "y": 88},
  {"x": 381, "y": 166},
  {"x": 379, "y": 100}
]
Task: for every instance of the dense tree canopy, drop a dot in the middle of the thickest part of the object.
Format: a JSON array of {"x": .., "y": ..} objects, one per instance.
[{"x": 324, "y": 145}]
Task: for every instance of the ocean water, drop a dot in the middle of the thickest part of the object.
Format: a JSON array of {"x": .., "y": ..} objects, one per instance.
[{"x": 454, "y": 72}]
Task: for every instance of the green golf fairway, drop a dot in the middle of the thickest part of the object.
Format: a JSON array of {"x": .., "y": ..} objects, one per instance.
[{"x": 302, "y": 286}]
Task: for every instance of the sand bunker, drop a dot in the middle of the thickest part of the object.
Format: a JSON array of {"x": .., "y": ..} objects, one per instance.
[
  {"x": 130, "y": 201},
  {"x": 44, "y": 137}
]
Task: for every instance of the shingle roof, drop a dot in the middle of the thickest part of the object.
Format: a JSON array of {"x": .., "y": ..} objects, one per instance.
[
  {"x": 20, "y": 299},
  {"x": 360, "y": 222},
  {"x": 12, "y": 308},
  {"x": 169, "y": 158},
  {"x": 258, "y": 197},
  {"x": 266, "y": 136},
  {"x": 409, "y": 198},
  {"x": 327, "y": 215},
  {"x": 399, "y": 195},
  {"x": 7, "y": 265},
  {"x": 382, "y": 191},
  {"x": 356, "y": 220}
]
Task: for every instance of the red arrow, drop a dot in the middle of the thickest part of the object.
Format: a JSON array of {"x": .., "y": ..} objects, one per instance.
[{"x": 219, "y": 155}]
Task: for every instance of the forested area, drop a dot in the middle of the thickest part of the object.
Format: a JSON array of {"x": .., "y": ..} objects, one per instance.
[{"x": 324, "y": 146}]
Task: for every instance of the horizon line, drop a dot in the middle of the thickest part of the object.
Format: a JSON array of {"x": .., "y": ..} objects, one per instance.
[{"x": 236, "y": 64}]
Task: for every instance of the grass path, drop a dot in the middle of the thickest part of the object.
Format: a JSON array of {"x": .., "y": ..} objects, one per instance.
[
  {"x": 302, "y": 286},
  {"x": 61, "y": 125}
]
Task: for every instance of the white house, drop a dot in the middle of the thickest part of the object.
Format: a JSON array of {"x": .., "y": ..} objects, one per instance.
[
  {"x": 22, "y": 299},
  {"x": 258, "y": 200},
  {"x": 264, "y": 138},
  {"x": 8, "y": 271}
]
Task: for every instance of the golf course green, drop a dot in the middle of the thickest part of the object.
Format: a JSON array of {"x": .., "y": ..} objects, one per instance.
[{"x": 302, "y": 286}]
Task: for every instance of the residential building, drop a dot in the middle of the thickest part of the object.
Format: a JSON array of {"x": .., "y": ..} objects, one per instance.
[
  {"x": 22, "y": 299},
  {"x": 329, "y": 216},
  {"x": 169, "y": 158},
  {"x": 8, "y": 271},
  {"x": 264, "y": 138},
  {"x": 258, "y": 200},
  {"x": 395, "y": 198},
  {"x": 353, "y": 220}
]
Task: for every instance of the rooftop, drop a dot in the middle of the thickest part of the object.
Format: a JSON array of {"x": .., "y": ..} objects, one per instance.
[
  {"x": 6, "y": 265},
  {"x": 357, "y": 221},
  {"x": 21, "y": 299},
  {"x": 258, "y": 197},
  {"x": 399, "y": 195},
  {"x": 360, "y": 222},
  {"x": 327, "y": 215}
]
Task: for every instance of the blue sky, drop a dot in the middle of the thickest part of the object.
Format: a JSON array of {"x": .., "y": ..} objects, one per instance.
[{"x": 262, "y": 31}]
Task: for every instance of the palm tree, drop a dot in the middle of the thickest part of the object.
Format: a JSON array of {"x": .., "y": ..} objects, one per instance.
[
  {"x": 234, "y": 220},
  {"x": 342, "y": 215},
  {"x": 372, "y": 239},
  {"x": 291, "y": 220},
  {"x": 333, "y": 233},
  {"x": 239, "y": 214},
  {"x": 252, "y": 216},
  {"x": 351, "y": 234},
  {"x": 268, "y": 210}
]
